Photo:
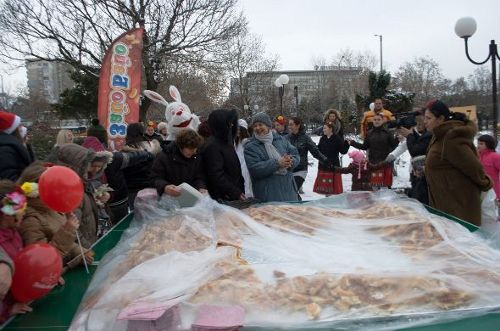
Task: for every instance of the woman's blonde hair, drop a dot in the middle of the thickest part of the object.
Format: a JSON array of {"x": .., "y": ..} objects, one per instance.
[{"x": 62, "y": 137}]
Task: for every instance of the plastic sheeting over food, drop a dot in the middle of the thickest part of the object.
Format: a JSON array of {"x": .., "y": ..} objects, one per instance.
[{"x": 355, "y": 261}]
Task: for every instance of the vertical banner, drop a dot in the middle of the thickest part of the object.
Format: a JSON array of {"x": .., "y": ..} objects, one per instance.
[{"x": 120, "y": 86}]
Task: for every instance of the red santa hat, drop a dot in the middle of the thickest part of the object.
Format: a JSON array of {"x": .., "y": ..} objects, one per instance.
[{"x": 9, "y": 122}]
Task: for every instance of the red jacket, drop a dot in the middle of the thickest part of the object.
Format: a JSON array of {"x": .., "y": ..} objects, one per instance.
[
  {"x": 491, "y": 164},
  {"x": 12, "y": 243}
]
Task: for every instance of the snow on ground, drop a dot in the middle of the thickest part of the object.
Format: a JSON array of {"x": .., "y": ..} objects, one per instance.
[{"x": 402, "y": 179}]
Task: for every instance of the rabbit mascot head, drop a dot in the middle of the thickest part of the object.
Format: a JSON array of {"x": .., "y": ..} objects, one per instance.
[{"x": 177, "y": 114}]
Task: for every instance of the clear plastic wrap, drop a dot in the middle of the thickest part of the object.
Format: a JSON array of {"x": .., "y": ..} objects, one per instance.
[{"x": 356, "y": 261}]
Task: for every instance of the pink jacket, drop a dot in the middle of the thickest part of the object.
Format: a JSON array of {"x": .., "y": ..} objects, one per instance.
[{"x": 491, "y": 164}]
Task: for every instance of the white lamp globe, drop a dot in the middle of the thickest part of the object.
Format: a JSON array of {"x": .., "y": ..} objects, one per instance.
[
  {"x": 465, "y": 27},
  {"x": 284, "y": 79}
]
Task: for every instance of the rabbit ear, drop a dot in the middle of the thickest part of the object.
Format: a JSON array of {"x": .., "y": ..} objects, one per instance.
[
  {"x": 174, "y": 93},
  {"x": 155, "y": 97}
]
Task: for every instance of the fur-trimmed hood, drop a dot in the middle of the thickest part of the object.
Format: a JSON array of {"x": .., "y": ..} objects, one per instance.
[
  {"x": 78, "y": 158},
  {"x": 455, "y": 129}
]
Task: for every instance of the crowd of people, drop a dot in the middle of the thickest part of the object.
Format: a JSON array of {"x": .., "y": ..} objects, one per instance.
[{"x": 232, "y": 159}]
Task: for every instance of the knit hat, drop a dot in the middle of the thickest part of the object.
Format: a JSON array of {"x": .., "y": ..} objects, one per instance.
[
  {"x": 280, "y": 119},
  {"x": 438, "y": 108},
  {"x": 359, "y": 158},
  {"x": 94, "y": 144},
  {"x": 162, "y": 125},
  {"x": 9, "y": 122},
  {"x": 243, "y": 123},
  {"x": 262, "y": 118}
]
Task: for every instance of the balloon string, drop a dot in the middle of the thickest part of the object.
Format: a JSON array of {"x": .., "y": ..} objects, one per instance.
[{"x": 81, "y": 250}]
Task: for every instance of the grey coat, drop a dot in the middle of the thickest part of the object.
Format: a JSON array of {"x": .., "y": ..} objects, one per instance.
[{"x": 268, "y": 186}]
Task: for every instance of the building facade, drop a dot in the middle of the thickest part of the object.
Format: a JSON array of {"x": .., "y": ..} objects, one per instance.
[
  {"x": 307, "y": 92},
  {"x": 48, "y": 79}
]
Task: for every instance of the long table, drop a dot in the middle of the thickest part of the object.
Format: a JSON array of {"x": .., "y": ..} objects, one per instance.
[{"x": 56, "y": 310}]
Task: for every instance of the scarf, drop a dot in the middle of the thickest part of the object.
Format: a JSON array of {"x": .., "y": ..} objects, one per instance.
[{"x": 272, "y": 152}]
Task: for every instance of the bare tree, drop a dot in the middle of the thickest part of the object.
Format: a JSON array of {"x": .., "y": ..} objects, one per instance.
[
  {"x": 78, "y": 32},
  {"x": 423, "y": 77},
  {"x": 246, "y": 53}
]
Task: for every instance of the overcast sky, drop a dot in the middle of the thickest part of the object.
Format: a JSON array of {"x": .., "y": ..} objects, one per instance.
[{"x": 298, "y": 30}]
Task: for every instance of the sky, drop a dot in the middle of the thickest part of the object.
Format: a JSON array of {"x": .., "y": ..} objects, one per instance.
[{"x": 300, "y": 30}]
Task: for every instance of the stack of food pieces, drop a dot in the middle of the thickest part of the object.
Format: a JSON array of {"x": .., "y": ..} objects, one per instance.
[{"x": 335, "y": 261}]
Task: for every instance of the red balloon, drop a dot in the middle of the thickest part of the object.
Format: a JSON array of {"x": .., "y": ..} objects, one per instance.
[
  {"x": 37, "y": 270},
  {"x": 61, "y": 189}
]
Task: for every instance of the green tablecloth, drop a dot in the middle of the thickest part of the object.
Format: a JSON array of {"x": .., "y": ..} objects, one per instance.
[{"x": 56, "y": 310}]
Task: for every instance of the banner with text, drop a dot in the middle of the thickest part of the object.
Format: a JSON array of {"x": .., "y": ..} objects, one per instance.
[{"x": 120, "y": 86}]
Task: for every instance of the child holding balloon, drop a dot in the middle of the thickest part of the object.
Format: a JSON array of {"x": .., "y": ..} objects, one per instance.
[
  {"x": 43, "y": 224},
  {"x": 12, "y": 207}
]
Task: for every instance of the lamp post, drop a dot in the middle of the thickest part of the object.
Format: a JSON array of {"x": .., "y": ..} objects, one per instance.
[
  {"x": 465, "y": 28},
  {"x": 296, "y": 95},
  {"x": 280, "y": 83},
  {"x": 380, "y": 39},
  {"x": 340, "y": 85}
]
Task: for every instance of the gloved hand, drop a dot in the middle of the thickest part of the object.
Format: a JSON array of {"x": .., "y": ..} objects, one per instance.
[{"x": 390, "y": 158}]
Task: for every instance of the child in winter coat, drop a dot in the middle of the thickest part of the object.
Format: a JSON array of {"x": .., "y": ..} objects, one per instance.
[
  {"x": 361, "y": 171},
  {"x": 490, "y": 160},
  {"x": 12, "y": 207},
  {"x": 43, "y": 225},
  {"x": 491, "y": 163}
]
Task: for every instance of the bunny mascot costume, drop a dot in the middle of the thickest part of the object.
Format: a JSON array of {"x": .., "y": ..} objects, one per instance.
[{"x": 177, "y": 113}]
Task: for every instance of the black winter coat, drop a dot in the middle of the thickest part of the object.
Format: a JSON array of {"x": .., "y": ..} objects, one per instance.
[
  {"x": 222, "y": 165},
  {"x": 115, "y": 176},
  {"x": 417, "y": 143},
  {"x": 14, "y": 155},
  {"x": 379, "y": 142},
  {"x": 304, "y": 144},
  {"x": 172, "y": 168},
  {"x": 331, "y": 147}
]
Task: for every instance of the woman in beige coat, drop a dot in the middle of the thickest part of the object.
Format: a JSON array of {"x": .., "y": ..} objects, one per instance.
[{"x": 453, "y": 171}]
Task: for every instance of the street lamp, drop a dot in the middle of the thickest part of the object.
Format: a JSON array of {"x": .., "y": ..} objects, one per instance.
[
  {"x": 340, "y": 85},
  {"x": 296, "y": 95},
  {"x": 280, "y": 83},
  {"x": 380, "y": 39},
  {"x": 465, "y": 28}
]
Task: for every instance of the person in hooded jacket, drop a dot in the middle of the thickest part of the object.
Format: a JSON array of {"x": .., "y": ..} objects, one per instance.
[
  {"x": 179, "y": 163},
  {"x": 222, "y": 166},
  {"x": 14, "y": 154},
  {"x": 118, "y": 202},
  {"x": 42, "y": 224},
  {"x": 79, "y": 159},
  {"x": 303, "y": 143},
  {"x": 454, "y": 173}
]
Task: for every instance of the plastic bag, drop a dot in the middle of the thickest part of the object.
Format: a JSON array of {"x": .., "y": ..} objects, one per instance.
[{"x": 356, "y": 261}]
